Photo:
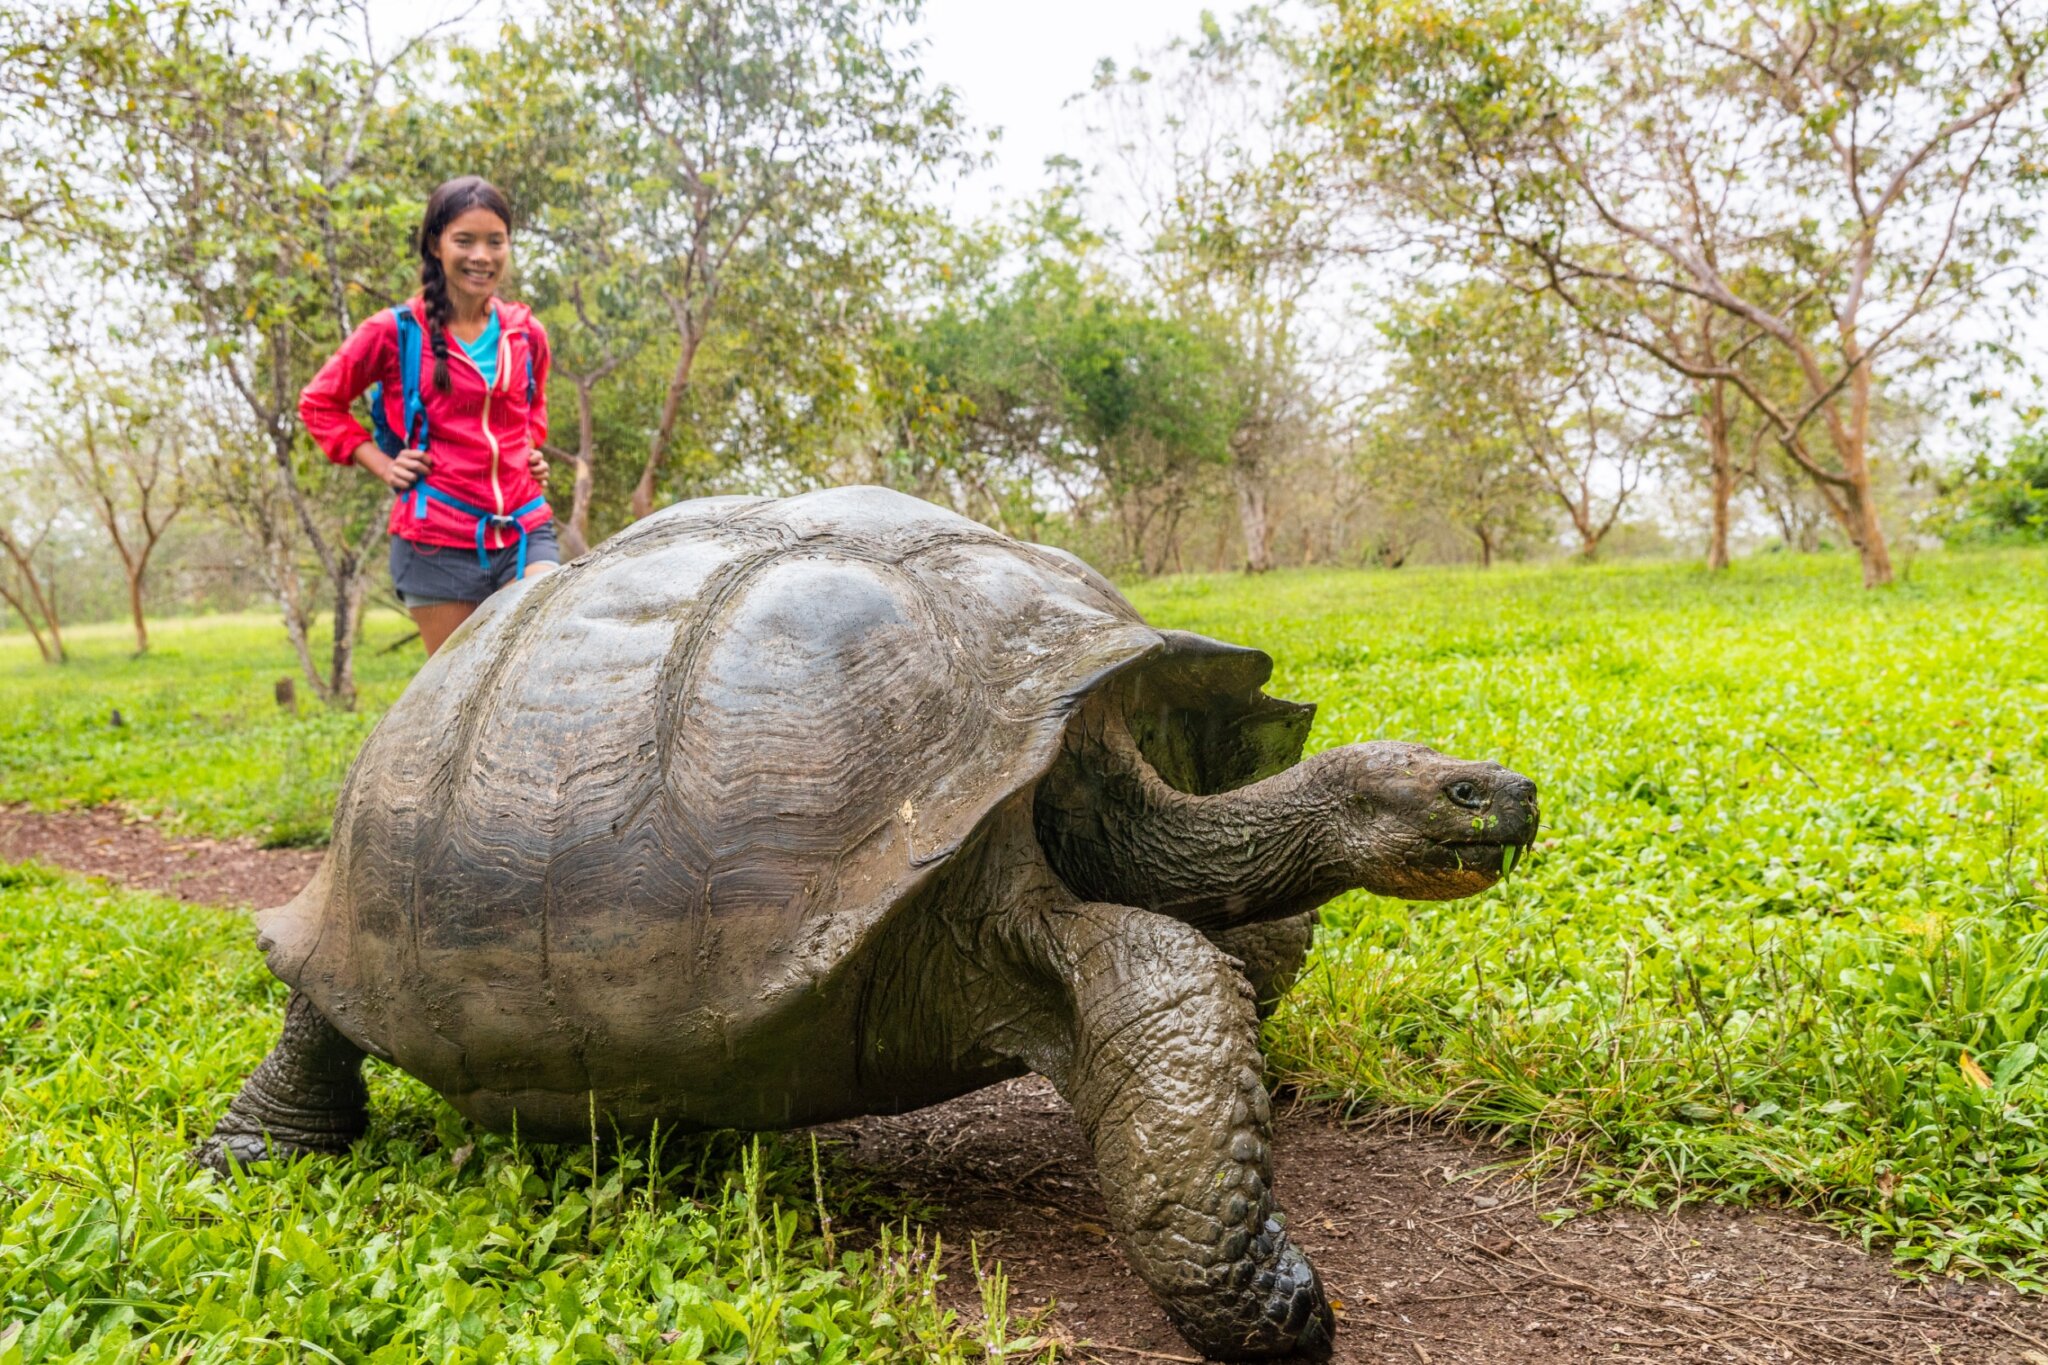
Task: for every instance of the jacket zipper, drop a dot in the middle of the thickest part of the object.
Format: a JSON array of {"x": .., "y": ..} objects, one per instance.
[
  {"x": 497, "y": 492},
  {"x": 490, "y": 437}
]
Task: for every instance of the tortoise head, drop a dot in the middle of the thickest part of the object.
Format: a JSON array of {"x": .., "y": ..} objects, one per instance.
[{"x": 1414, "y": 823}]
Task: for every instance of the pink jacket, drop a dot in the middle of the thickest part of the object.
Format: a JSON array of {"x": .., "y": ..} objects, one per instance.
[{"x": 479, "y": 438}]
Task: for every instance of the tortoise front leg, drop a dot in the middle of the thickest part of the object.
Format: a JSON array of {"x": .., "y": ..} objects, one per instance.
[
  {"x": 307, "y": 1097},
  {"x": 1159, "y": 1058}
]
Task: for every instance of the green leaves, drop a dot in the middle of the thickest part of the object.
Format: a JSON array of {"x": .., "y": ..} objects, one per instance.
[
  {"x": 1060, "y": 372},
  {"x": 2002, "y": 500}
]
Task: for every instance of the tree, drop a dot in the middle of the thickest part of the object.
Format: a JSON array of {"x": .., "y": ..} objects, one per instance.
[
  {"x": 2002, "y": 500},
  {"x": 26, "y": 583},
  {"x": 1448, "y": 437},
  {"x": 1566, "y": 391},
  {"x": 1516, "y": 381},
  {"x": 1835, "y": 183},
  {"x": 1065, "y": 378},
  {"x": 1423, "y": 464},
  {"x": 1229, "y": 195},
  {"x": 766, "y": 139},
  {"x": 268, "y": 199},
  {"x": 124, "y": 448}
]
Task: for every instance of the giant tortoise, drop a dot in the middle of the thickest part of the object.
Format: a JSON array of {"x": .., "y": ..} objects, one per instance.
[{"x": 769, "y": 812}]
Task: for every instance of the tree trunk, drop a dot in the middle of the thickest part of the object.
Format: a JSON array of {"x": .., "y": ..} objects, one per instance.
[
  {"x": 576, "y": 535},
  {"x": 44, "y": 604},
  {"x": 35, "y": 633},
  {"x": 351, "y": 587},
  {"x": 1717, "y": 535},
  {"x": 135, "y": 610},
  {"x": 1714, "y": 421},
  {"x": 1868, "y": 533},
  {"x": 297, "y": 629},
  {"x": 665, "y": 430},
  {"x": 1485, "y": 546},
  {"x": 1251, "y": 514},
  {"x": 1864, "y": 528},
  {"x": 1854, "y": 508},
  {"x": 1851, "y": 497}
]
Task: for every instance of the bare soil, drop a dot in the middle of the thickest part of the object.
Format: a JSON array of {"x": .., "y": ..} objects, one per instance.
[
  {"x": 106, "y": 842},
  {"x": 1435, "y": 1248},
  {"x": 1436, "y": 1251}
]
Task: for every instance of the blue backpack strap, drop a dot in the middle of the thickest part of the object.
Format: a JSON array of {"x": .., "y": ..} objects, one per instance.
[
  {"x": 414, "y": 406},
  {"x": 424, "y": 493},
  {"x": 531, "y": 386},
  {"x": 409, "y": 347},
  {"x": 380, "y": 430}
]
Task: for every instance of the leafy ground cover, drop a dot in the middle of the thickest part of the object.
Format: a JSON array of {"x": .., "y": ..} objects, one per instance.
[
  {"x": 1785, "y": 932},
  {"x": 124, "y": 1018},
  {"x": 1784, "y": 937}
]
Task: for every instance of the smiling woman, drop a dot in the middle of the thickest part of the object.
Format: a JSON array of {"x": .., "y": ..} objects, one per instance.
[{"x": 461, "y": 453}]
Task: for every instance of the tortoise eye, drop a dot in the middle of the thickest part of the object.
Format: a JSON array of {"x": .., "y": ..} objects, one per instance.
[{"x": 1466, "y": 794}]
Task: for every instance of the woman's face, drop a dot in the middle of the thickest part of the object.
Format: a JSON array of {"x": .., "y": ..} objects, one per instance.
[{"x": 474, "y": 250}]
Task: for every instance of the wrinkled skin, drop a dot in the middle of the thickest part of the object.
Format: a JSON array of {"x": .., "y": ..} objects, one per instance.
[{"x": 880, "y": 808}]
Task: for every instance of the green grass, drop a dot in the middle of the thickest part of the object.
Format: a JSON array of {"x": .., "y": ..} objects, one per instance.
[
  {"x": 202, "y": 741},
  {"x": 1784, "y": 937},
  {"x": 127, "y": 1021}
]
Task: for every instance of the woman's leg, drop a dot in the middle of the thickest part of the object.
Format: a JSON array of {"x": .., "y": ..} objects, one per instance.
[{"x": 438, "y": 621}]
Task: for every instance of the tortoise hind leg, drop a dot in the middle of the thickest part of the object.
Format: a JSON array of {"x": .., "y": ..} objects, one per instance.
[
  {"x": 1163, "y": 1072},
  {"x": 306, "y": 1098},
  {"x": 1272, "y": 951}
]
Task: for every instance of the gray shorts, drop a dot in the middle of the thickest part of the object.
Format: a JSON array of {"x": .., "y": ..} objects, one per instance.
[{"x": 434, "y": 575}]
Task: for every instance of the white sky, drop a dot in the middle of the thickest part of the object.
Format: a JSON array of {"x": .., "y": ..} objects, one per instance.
[{"x": 1015, "y": 66}]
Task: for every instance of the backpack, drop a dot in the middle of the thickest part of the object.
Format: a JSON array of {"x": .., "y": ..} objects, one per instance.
[{"x": 415, "y": 410}]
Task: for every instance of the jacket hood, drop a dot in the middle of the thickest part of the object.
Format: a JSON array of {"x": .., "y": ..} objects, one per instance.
[{"x": 511, "y": 313}]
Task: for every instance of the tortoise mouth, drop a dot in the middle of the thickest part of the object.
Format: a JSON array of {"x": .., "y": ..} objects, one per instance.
[
  {"x": 1450, "y": 870},
  {"x": 1496, "y": 858}
]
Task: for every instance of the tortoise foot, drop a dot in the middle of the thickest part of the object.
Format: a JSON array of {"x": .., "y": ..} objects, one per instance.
[
  {"x": 1272, "y": 1307},
  {"x": 306, "y": 1099},
  {"x": 231, "y": 1143}
]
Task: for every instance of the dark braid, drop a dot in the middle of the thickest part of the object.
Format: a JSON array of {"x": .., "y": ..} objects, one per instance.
[
  {"x": 449, "y": 201},
  {"x": 434, "y": 289}
]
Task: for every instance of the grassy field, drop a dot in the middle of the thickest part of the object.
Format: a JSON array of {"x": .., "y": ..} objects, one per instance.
[
  {"x": 1784, "y": 938},
  {"x": 201, "y": 739},
  {"x": 127, "y": 1022},
  {"x": 1786, "y": 934}
]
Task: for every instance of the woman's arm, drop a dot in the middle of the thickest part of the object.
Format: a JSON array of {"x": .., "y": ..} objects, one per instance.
[
  {"x": 537, "y": 410},
  {"x": 324, "y": 405}
]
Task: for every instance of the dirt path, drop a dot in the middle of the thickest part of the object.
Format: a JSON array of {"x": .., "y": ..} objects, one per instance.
[
  {"x": 1435, "y": 1262},
  {"x": 103, "y": 842},
  {"x": 1434, "y": 1258}
]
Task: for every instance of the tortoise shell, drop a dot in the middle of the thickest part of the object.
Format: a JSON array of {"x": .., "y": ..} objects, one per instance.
[{"x": 626, "y": 844}]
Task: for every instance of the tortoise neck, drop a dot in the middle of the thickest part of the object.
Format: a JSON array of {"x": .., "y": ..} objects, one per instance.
[
  {"x": 1118, "y": 832},
  {"x": 1255, "y": 853}
]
